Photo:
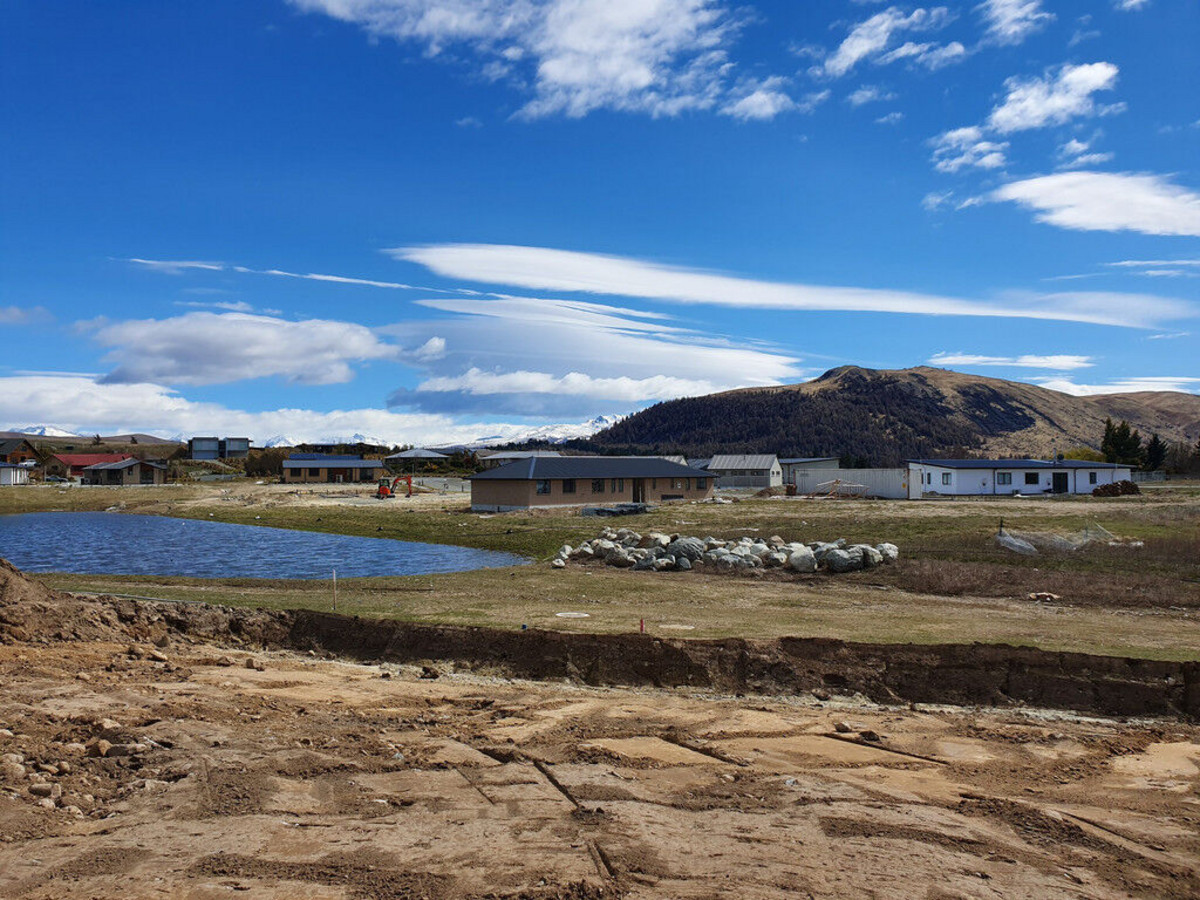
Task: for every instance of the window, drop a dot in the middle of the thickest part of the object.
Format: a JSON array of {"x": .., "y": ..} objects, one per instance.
[
  {"x": 618, "y": 485},
  {"x": 947, "y": 477},
  {"x": 597, "y": 485},
  {"x": 1091, "y": 477},
  {"x": 1031, "y": 478},
  {"x": 543, "y": 485},
  {"x": 702, "y": 484},
  {"x": 314, "y": 472},
  {"x": 677, "y": 484},
  {"x": 568, "y": 485},
  {"x": 653, "y": 484},
  {"x": 1004, "y": 478}
]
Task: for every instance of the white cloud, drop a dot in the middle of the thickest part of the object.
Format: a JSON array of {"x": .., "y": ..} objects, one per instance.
[
  {"x": 226, "y": 305},
  {"x": 86, "y": 406},
  {"x": 1171, "y": 335},
  {"x": 177, "y": 266},
  {"x": 766, "y": 99},
  {"x": 573, "y": 384},
  {"x": 1130, "y": 5},
  {"x": 543, "y": 357},
  {"x": 1053, "y": 99},
  {"x": 872, "y": 37},
  {"x": 891, "y": 118},
  {"x": 1102, "y": 201},
  {"x": 1011, "y": 21},
  {"x": 962, "y": 147},
  {"x": 1185, "y": 383},
  {"x": 932, "y": 56},
  {"x": 934, "y": 201},
  {"x": 1061, "y": 362},
  {"x": 214, "y": 348},
  {"x": 661, "y": 57},
  {"x": 22, "y": 315},
  {"x": 1142, "y": 263},
  {"x": 1074, "y": 154},
  {"x": 869, "y": 93},
  {"x": 548, "y": 269}
]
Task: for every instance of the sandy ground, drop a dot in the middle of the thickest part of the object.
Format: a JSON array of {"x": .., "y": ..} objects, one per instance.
[{"x": 198, "y": 771}]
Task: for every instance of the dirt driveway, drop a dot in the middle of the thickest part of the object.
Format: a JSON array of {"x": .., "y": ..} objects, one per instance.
[{"x": 189, "y": 774}]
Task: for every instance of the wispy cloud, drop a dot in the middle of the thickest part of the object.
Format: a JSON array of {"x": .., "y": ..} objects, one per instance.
[
  {"x": 758, "y": 100},
  {"x": 573, "y": 56},
  {"x": 1011, "y": 21},
  {"x": 23, "y": 315},
  {"x": 563, "y": 270},
  {"x": 869, "y": 93},
  {"x": 871, "y": 39},
  {"x": 214, "y": 348},
  {"x": 1059, "y": 362},
  {"x": 176, "y": 266},
  {"x": 963, "y": 147},
  {"x": 1104, "y": 201}
]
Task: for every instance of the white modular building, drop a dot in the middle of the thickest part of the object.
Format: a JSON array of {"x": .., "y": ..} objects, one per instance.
[{"x": 986, "y": 477}]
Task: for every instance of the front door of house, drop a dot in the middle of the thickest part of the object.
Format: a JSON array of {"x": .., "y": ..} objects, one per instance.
[
  {"x": 1060, "y": 485},
  {"x": 639, "y": 490}
]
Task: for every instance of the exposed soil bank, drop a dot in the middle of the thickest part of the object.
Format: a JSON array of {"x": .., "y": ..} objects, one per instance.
[{"x": 978, "y": 674}]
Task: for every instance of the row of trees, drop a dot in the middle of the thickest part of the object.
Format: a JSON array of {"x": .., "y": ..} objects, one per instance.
[{"x": 1123, "y": 444}]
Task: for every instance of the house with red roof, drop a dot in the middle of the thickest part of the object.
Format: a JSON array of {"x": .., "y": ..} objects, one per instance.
[{"x": 71, "y": 465}]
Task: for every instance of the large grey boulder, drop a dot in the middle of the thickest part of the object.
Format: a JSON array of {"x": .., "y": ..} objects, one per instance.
[
  {"x": 620, "y": 558},
  {"x": 870, "y": 556},
  {"x": 850, "y": 560},
  {"x": 689, "y": 548},
  {"x": 889, "y": 552},
  {"x": 802, "y": 560}
]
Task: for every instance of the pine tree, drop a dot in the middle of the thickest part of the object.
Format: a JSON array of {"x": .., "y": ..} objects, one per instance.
[
  {"x": 1106, "y": 443},
  {"x": 1156, "y": 453}
]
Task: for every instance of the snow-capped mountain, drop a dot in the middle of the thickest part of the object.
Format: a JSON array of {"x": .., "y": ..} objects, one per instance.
[
  {"x": 45, "y": 431},
  {"x": 553, "y": 434},
  {"x": 280, "y": 440}
]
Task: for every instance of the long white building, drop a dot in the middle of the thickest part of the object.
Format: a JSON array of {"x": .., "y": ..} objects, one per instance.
[{"x": 975, "y": 477}]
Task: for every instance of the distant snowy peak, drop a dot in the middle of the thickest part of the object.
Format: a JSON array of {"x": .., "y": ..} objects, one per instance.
[
  {"x": 280, "y": 440},
  {"x": 554, "y": 434},
  {"x": 45, "y": 431}
]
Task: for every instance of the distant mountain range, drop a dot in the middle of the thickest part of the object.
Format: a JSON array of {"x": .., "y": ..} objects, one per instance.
[{"x": 881, "y": 417}]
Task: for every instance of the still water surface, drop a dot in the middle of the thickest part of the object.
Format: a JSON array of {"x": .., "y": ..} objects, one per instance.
[{"x": 99, "y": 543}]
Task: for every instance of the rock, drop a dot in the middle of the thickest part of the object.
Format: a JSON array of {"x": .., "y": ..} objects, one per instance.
[
  {"x": 46, "y": 803},
  {"x": 683, "y": 564},
  {"x": 48, "y": 768},
  {"x": 83, "y": 676},
  {"x": 842, "y": 727},
  {"x": 869, "y": 735},
  {"x": 252, "y": 663},
  {"x": 118, "y": 750},
  {"x": 73, "y": 811},
  {"x": 159, "y": 656},
  {"x": 664, "y": 564},
  {"x": 821, "y": 694},
  {"x": 12, "y": 772},
  {"x": 889, "y": 552},
  {"x": 643, "y": 564},
  {"x": 689, "y": 548},
  {"x": 64, "y": 767},
  {"x": 558, "y": 563},
  {"x": 429, "y": 673},
  {"x": 776, "y": 541},
  {"x": 223, "y": 661},
  {"x": 564, "y": 552},
  {"x": 45, "y": 789},
  {"x": 620, "y": 559},
  {"x": 99, "y": 748},
  {"x": 870, "y": 556},
  {"x": 843, "y": 560},
  {"x": 802, "y": 560}
]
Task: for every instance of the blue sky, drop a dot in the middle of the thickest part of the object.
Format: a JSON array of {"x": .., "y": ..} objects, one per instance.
[{"x": 431, "y": 221}]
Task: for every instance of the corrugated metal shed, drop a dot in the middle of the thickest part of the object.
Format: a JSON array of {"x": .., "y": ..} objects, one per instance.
[
  {"x": 583, "y": 467},
  {"x": 761, "y": 462}
]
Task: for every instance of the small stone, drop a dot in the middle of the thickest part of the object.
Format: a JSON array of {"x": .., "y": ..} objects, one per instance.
[
  {"x": 73, "y": 811},
  {"x": 64, "y": 767},
  {"x": 224, "y": 661},
  {"x": 11, "y": 771},
  {"x": 842, "y": 727},
  {"x": 558, "y": 563},
  {"x": 99, "y": 748},
  {"x": 821, "y": 694},
  {"x": 252, "y": 663},
  {"x": 48, "y": 768},
  {"x": 869, "y": 735},
  {"x": 83, "y": 676},
  {"x": 45, "y": 789},
  {"x": 429, "y": 673},
  {"x": 46, "y": 803},
  {"x": 159, "y": 656}
]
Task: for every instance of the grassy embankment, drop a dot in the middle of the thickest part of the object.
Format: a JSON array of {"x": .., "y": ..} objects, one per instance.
[{"x": 952, "y": 585}]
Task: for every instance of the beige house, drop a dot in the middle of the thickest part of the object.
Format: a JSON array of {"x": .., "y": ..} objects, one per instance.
[
  {"x": 126, "y": 472},
  {"x": 586, "y": 481},
  {"x": 320, "y": 468}
]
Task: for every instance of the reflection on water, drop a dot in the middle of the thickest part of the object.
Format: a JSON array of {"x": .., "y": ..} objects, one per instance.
[{"x": 117, "y": 544}]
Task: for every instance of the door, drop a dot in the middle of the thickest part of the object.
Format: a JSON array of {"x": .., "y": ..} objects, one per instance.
[
  {"x": 639, "y": 490},
  {"x": 1060, "y": 483}
]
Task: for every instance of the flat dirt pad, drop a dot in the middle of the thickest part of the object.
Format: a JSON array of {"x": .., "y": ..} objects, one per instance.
[{"x": 323, "y": 779}]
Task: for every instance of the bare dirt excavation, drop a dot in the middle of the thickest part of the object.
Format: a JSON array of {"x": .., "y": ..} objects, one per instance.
[{"x": 185, "y": 750}]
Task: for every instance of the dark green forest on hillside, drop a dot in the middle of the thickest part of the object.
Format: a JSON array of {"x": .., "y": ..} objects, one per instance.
[{"x": 876, "y": 422}]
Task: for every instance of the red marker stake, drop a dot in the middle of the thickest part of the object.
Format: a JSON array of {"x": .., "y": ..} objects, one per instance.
[{"x": 642, "y": 625}]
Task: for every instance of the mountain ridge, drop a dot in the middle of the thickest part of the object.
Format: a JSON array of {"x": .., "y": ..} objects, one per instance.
[{"x": 880, "y": 417}]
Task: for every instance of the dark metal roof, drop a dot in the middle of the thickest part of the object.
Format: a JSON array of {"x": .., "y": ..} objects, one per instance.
[
  {"x": 552, "y": 467},
  {"x": 333, "y": 463},
  {"x": 1015, "y": 464},
  {"x": 332, "y": 457},
  {"x": 807, "y": 459},
  {"x": 125, "y": 464}
]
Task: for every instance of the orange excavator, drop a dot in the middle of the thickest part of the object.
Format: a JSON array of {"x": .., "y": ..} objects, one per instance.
[{"x": 389, "y": 487}]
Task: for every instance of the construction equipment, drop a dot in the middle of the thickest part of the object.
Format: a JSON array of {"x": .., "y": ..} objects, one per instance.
[{"x": 388, "y": 487}]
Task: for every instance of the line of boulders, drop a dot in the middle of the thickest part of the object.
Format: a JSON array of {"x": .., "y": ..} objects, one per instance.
[{"x": 654, "y": 551}]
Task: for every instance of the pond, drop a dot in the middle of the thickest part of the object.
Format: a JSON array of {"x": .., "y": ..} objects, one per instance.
[{"x": 99, "y": 543}]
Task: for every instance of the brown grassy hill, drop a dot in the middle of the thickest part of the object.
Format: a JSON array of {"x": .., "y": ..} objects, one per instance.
[{"x": 880, "y": 417}]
